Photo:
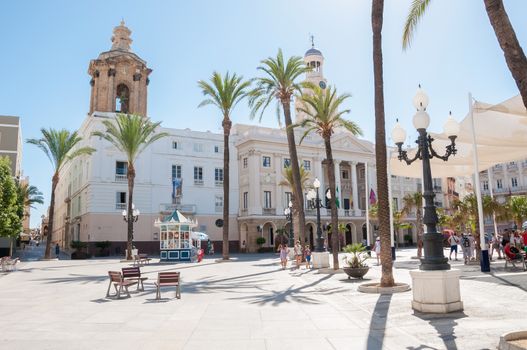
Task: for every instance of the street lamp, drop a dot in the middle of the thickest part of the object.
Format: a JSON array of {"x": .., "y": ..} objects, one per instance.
[
  {"x": 434, "y": 258},
  {"x": 132, "y": 218},
  {"x": 312, "y": 195},
  {"x": 288, "y": 212}
]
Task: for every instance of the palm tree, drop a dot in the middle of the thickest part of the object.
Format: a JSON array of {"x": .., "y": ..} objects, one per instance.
[
  {"x": 130, "y": 134},
  {"x": 323, "y": 117},
  {"x": 59, "y": 146},
  {"x": 288, "y": 178},
  {"x": 411, "y": 201},
  {"x": 29, "y": 195},
  {"x": 517, "y": 209},
  {"x": 224, "y": 93},
  {"x": 380, "y": 147},
  {"x": 513, "y": 52},
  {"x": 280, "y": 83}
]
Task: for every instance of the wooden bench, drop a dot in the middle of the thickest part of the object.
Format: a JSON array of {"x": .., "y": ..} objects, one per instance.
[
  {"x": 165, "y": 279},
  {"x": 141, "y": 259},
  {"x": 134, "y": 274},
  {"x": 520, "y": 260},
  {"x": 116, "y": 278}
]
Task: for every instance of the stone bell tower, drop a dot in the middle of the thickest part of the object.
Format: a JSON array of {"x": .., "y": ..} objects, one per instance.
[{"x": 119, "y": 78}]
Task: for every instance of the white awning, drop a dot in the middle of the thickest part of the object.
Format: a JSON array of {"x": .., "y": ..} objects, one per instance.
[{"x": 501, "y": 136}]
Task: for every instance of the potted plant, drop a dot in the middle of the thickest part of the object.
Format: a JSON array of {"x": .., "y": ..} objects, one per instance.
[
  {"x": 260, "y": 241},
  {"x": 356, "y": 267},
  {"x": 78, "y": 253}
]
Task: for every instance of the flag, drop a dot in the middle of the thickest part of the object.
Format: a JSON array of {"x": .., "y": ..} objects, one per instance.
[
  {"x": 175, "y": 184},
  {"x": 373, "y": 198}
]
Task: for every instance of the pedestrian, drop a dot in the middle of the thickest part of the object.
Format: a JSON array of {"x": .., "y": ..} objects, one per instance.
[
  {"x": 57, "y": 250},
  {"x": 377, "y": 249},
  {"x": 284, "y": 252},
  {"x": 244, "y": 248},
  {"x": 465, "y": 244},
  {"x": 495, "y": 246},
  {"x": 505, "y": 237},
  {"x": 298, "y": 254},
  {"x": 472, "y": 247},
  {"x": 210, "y": 249},
  {"x": 516, "y": 240},
  {"x": 454, "y": 241},
  {"x": 307, "y": 256}
]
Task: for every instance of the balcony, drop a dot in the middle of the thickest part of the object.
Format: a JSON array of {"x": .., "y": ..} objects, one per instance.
[
  {"x": 512, "y": 166},
  {"x": 218, "y": 183},
  {"x": 120, "y": 206},
  {"x": 269, "y": 211},
  {"x": 198, "y": 182},
  {"x": 310, "y": 212},
  {"x": 121, "y": 178},
  {"x": 183, "y": 208}
]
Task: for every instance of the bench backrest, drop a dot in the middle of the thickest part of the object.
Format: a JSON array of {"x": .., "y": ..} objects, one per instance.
[
  {"x": 115, "y": 276},
  {"x": 168, "y": 277},
  {"x": 131, "y": 272}
]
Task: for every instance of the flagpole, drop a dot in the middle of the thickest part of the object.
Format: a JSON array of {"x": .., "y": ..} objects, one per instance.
[
  {"x": 368, "y": 241},
  {"x": 484, "y": 256}
]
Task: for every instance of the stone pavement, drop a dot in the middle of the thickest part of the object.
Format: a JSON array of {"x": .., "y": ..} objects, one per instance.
[{"x": 249, "y": 303}]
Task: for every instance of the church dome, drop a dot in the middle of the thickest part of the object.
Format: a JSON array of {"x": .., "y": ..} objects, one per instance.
[{"x": 312, "y": 51}]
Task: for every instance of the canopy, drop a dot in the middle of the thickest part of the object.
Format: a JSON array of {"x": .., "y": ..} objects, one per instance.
[
  {"x": 199, "y": 236},
  {"x": 501, "y": 136}
]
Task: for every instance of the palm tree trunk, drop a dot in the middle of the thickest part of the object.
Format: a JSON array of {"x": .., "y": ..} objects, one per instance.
[
  {"x": 513, "y": 52},
  {"x": 333, "y": 204},
  {"x": 226, "y": 132},
  {"x": 130, "y": 214},
  {"x": 51, "y": 216},
  {"x": 298, "y": 203},
  {"x": 380, "y": 147}
]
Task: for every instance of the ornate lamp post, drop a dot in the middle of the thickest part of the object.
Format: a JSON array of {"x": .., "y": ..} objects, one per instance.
[
  {"x": 432, "y": 240},
  {"x": 133, "y": 217},
  {"x": 313, "y": 196},
  {"x": 288, "y": 212}
]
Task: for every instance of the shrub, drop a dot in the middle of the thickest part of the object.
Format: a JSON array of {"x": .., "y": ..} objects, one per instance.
[
  {"x": 260, "y": 241},
  {"x": 357, "y": 251}
]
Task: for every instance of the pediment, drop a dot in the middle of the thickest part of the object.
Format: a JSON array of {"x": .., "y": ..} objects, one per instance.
[{"x": 351, "y": 143}]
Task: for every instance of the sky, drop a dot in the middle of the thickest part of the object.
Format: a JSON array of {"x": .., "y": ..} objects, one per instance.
[{"x": 46, "y": 46}]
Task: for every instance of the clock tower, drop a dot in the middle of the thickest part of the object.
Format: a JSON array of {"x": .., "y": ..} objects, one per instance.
[
  {"x": 119, "y": 78},
  {"x": 314, "y": 59}
]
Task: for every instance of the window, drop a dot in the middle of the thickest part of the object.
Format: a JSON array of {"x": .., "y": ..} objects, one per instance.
[
  {"x": 218, "y": 176},
  {"x": 499, "y": 183},
  {"x": 175, "y": 145},
  {"x": 514, "y": 182},
  {"x": 198, "y": 147},
  {"x": 122, "y": 98},
  {"x": 287, "y": 162},
  {"x": 121, "y": 168},
  {"x": 120, "y": 200},
  {"x": 271, "y": 236},
  {"x": 218, "y": 203},
  {"x": 245, "y": 199},
  {"x": 345, "y": 174},
  {"x": 198, "y": 175},
  {"x": 216, "y": 149},
  {"x": 307, "y": 164},
  {"x": 267, "y": 200},
  {"x": 288, "y": 198},
  {"x": 361, "y": 174},
  {"x": 176, "y": 172},
  {"x": 485, "y": 185},
  {"x": 266, "y": 162},
  {"x": 245, "y": 162},
  {"x": 395, "y": 204}
]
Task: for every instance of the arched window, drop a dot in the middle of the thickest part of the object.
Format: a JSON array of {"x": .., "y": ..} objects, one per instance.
[{"x": 122, "y": 98}]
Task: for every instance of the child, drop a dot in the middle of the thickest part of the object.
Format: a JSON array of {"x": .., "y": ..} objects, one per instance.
[
  {"x": 298, "y": 254},
  {"x": 307, "y": 256},
  {"x": 284, "y": 251},
  {"x": 377, "y": 249}
]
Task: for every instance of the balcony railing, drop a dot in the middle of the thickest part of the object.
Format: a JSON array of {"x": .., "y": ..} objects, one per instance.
[
  {"x": 218, "y": 183},
  {"x": 269, "y": 211},
  {"x": 120, "y": 178},
  {"x": 219, "y": 209},
  {"x": 198, "y": 182},
  {"x": 184, "y": 208},
  {"x": 120, "y": 206},
  {"x": 512, "y": 166},
  {"x": 310, "y": 212}
]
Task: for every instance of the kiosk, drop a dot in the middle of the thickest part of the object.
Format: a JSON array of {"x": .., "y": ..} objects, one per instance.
[{"x": 177, "y": 241}]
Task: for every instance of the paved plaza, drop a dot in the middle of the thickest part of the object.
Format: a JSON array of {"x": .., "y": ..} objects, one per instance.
[{"x": 249, "y": 303}]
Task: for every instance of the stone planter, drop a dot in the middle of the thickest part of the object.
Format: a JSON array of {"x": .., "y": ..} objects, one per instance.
[{"x": 356, "y": 272}]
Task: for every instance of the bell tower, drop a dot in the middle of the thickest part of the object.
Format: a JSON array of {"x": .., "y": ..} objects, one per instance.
[{"x": 119, "y": 78}]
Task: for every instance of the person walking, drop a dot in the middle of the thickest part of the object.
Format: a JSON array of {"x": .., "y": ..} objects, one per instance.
[
  {"x": 307, "y": 256},
  {"x": 284, "y": 252},
  {"x": 57, "y": 250},
  {"x": 298, "y": 254},
  {"x": 377, "y": 249},
  {"x": 454, "y": 241},
  {"x": 495, "y": 246},
  {"x": 465, "y": 243}
]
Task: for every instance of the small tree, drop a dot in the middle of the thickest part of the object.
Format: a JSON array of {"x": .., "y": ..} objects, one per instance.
[
  {"x": 260, "y": 241},
  {"x": 10, "y": 208}
]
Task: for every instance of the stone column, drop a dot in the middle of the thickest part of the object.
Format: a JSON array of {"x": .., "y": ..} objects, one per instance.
[
  {"x": 520, "y": 174},
  {"x": 355, "y": 189},
  {"x": 255, "y": 206},
  {"x": 136, "y": 108},
  {"x": 111, "y": 89}
]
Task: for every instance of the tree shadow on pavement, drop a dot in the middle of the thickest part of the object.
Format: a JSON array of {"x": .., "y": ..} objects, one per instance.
[{"x": 378, "y": 322}]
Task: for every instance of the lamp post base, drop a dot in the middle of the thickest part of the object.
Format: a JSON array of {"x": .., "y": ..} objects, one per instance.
[
  {"x": 320, "y": 260},
  {"x": 436, "y": 291}
]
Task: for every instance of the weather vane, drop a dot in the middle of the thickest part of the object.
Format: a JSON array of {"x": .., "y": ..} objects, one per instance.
[{"x": 312, "y": 37}]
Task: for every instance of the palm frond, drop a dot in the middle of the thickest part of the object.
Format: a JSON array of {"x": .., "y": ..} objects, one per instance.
[{"x": 417, "y": 11}]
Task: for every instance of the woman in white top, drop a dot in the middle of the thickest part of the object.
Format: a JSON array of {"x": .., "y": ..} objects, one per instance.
[{"x": 377, "y": 249}]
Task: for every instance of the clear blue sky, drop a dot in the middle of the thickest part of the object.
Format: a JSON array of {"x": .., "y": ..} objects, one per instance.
[{"x": 46, "y": 47}]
